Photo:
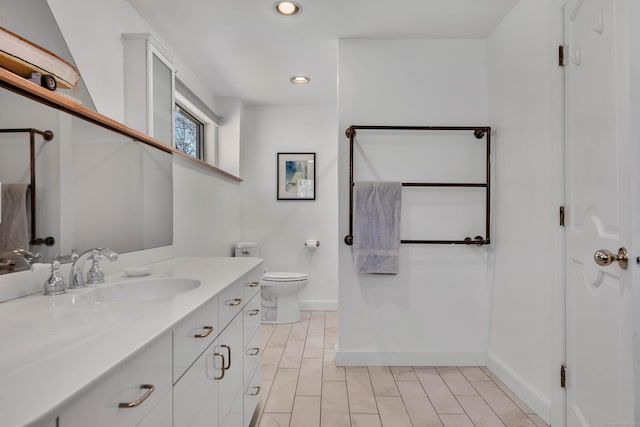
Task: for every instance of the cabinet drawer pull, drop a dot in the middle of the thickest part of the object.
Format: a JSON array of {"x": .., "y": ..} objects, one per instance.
[
  {"x": 253, "y": 284},
  {"x": 150, "y": 388},
  {"x": 214, "y": 365},
  {"x": 209, "y": 329},
  {"x": 257, "y": 389},
  {"x": 253, "y": 312},
  {"x": 235, "y": 302},
  {"x": 253, "y": 351},
  {"x": 229, "y": 357}
]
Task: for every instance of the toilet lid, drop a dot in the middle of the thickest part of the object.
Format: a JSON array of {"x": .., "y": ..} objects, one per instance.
[{"x": 284, "y": 277}]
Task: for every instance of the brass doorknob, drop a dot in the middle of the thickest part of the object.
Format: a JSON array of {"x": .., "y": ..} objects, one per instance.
[{"x": 604, "y": 257}]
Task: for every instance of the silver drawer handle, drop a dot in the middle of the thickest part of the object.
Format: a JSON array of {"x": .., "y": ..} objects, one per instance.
[
  {"x": 257, "y": 389},
  {"x": 150, "y": 389},
  {"x": 209, "y": 329},
  {"x": 235, "y": 302},
  {"x": 253, "y": 312},
  {"x": 214, "y": 365},
  {"x": 253, "y": 284},
  {"x": 253, "y": 351}
]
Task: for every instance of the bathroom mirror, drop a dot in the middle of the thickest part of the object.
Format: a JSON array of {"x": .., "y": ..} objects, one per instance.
[{"x": 95, "y": 187}]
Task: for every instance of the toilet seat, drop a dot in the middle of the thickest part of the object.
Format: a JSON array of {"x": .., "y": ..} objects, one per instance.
[{"x": 284, "y": 277}]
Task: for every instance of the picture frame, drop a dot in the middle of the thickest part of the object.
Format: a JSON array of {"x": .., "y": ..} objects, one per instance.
[{"x": 296, "y": 176}]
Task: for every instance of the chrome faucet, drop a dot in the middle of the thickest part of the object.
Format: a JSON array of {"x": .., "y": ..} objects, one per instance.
[
  {"x": 95, "y": 274},
  {"x": 17, "y": 260}
]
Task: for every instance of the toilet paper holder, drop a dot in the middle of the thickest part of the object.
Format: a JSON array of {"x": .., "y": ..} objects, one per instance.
[{"x": 312, "y": 243}]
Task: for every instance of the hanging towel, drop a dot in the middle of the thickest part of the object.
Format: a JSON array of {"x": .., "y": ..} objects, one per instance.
[
  {"x": 14, "y": 228},
  {"x": 376, "y": 222}
]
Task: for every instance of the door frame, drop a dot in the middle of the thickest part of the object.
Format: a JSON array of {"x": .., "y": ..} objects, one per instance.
[
  {"x": 558, "y": 302},
  {"x": 634, "y": 16}
]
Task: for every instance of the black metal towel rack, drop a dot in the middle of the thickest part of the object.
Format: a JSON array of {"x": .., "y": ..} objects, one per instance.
[
  {"x": 48, "y": 136},
  {"x": 479, "y": 132}
]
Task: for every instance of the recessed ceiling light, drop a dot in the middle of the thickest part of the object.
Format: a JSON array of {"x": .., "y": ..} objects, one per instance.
[
  {"x": 287, "y": 8},
  {"x": 300, "y": 80}
]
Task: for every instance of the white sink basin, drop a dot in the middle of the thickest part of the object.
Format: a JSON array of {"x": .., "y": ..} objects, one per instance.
[{"x": 142, "y": 290}]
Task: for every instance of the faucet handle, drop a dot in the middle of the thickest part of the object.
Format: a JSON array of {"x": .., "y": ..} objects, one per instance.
[
  {"x": 95, "y": 275},
  {"x": 55, "y": 284}
]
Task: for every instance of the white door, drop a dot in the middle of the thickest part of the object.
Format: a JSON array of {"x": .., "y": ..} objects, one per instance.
[{"x": 599, "y": 329}]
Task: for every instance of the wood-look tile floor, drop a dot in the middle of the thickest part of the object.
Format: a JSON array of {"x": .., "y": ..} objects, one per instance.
[{"x": 301, "y": 386}]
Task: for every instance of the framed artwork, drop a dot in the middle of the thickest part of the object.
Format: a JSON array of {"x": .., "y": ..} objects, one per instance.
[{"x": 296, "y": 176}]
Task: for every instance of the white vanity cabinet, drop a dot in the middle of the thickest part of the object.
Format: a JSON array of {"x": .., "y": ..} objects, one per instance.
[
  {"x": 128, "y": 394},
  {"x": 211, "y": 392},
  {"x": 186, "y": 362}
]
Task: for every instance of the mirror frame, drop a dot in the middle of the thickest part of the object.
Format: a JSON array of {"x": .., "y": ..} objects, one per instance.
[{"x": 23, "y": 87}]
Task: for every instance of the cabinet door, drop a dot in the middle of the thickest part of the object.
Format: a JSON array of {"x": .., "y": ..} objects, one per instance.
[
  {"x": 195, "y": 395},
  {"x": 252, "y": 394},
  {"x": 161, "y": 415},
  {"x": 231, "y": 386},
  {"x": 252, "y": 377},
  {"x": 162, "y": 97}
]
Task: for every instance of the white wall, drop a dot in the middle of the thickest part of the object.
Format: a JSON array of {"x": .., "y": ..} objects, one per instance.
[
  {"x": 281, "y": 227},
  {"x": 524, "y": 108},
  {"x": 436, "y": 310},
  {"x": 229, "y": 134},
  {"x": 207, "y": 212}
]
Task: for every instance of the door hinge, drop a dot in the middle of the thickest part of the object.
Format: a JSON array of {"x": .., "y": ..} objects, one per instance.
[
  {"x": 561, "y": 55},
  {"x": 562, "y": 216},
  {"x": 563, "y": 376}
]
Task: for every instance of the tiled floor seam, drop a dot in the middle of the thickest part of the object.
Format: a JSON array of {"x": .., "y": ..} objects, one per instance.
[
  {"x": 506, "y": 394},
  {"x": 484, "y": 400}
]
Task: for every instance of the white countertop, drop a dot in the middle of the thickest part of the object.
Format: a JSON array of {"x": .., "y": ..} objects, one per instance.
[{"x": 53, "y": 347}]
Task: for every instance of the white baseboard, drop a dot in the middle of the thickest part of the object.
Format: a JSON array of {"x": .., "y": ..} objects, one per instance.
[
  {"x": 529, "y": 394},
  {"x": 375, "y": 358},
  {"x": 319, "y": 305}
]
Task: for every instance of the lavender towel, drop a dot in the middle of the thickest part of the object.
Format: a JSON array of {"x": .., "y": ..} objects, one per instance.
[
  {"x": 14, "y": 228},
  {"x": 376, "y": 222}
]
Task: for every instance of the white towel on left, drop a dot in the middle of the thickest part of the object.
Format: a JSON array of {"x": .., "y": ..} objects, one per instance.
[{"x": 14, "y": 229}]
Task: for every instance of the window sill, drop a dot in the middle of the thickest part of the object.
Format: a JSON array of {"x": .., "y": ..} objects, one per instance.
[{"x": 21, "y": 86}]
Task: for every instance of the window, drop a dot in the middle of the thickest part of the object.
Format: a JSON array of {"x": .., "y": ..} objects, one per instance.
[
  {"x": 189, "y": 133},
  {"x": 196, "y": 127}
]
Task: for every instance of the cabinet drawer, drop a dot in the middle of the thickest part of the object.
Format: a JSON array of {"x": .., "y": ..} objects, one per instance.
[
  {"x": 100, "y": 404},
  {"x": 230, "y": 302},
  {"x": 251, "y": 284},
  {"x": 252, "y": 394},
  {"x": 252, "y": 316},
  {"x": 192, "y": 335},
  {"x": 252, "y": 355}
]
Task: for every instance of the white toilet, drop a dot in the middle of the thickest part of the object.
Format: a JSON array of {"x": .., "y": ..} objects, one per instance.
[{"x": 279, "y": 290}]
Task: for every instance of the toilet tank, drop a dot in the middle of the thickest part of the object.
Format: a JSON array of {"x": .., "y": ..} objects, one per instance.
[{"x": 250, "y": 249}]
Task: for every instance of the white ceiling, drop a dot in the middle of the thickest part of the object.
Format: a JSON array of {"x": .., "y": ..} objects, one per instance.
[{"x": 241, "y": 48}]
